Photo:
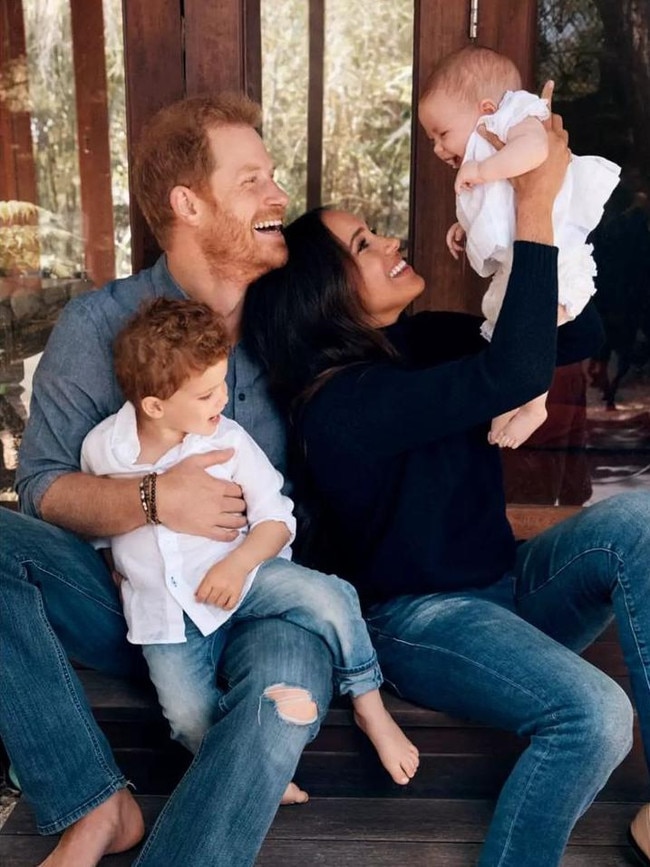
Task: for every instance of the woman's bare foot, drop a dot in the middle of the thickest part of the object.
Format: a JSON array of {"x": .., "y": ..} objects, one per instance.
[
  {"x": 397, "y": 754},
  {"x": 114, "y": 826},
  {"x": 293, "y": 794}
]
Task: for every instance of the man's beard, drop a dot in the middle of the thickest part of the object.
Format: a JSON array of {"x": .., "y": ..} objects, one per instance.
[{"x": 230, "y": 249}]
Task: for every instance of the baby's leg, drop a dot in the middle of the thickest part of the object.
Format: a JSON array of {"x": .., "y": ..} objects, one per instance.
[
  {"x": 522, "y": 423},
  {"x": 397, "y": 754}
]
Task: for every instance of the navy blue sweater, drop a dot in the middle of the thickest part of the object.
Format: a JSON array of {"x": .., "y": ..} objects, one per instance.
[{"x": 398, "y": 452}]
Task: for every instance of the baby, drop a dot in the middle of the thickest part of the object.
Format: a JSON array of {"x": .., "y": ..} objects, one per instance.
[
  {"x": 477, "y": 87},
  {"x": 171, "y": 362}
]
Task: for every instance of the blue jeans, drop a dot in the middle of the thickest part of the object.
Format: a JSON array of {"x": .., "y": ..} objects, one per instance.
[
  {"x": 184, "y": 673},
  {"x": 506, "y": 656},
  {"x": 57, "y": 600}
]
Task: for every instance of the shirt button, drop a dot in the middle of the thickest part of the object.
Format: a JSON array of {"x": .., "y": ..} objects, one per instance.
[{"x": 241, "y": 396}]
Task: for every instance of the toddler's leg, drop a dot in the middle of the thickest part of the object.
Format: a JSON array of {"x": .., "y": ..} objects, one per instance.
[
  {"x": 520, "y": 425},
  {"x": 398, "y": 755},
  {"x": 185, "y": 679},
  {"x": 329, "y": 607}
]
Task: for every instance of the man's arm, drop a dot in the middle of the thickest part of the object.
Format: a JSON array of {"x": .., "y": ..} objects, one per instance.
[
  {"x": 188, "y": 501},
  {"x": 74, "y": 389}
]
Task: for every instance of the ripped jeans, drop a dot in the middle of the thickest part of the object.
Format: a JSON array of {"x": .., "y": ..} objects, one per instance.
[
  {"x": 57, "y": 599},
  {"x": 184, "y": 674}
]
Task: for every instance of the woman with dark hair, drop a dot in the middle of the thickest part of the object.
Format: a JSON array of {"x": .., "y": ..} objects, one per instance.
[{"x": 389, "y": 415}]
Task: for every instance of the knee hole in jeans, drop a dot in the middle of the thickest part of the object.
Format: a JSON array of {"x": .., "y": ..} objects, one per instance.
[{"x": 293, "y": 704}]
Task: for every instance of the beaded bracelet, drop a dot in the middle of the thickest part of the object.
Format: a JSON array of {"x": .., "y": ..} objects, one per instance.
[{"x": 148, "y": 498}]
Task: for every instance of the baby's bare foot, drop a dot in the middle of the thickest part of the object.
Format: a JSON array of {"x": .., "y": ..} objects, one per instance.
[
  {"x": 293, "y": 794},
  {"x": 114, "y": 826},
  {"x": 522, "y": 424},
  {"x": 397, "y": 754}
]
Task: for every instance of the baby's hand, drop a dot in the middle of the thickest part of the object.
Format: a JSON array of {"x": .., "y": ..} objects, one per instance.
[
  {"x": 456, "y": 240},
  {"x": 469, "y": 175},
  {"x": 222, "y": 585}
]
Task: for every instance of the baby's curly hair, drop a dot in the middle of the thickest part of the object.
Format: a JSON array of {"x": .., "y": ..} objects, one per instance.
[{"x": 165, "y": 343}]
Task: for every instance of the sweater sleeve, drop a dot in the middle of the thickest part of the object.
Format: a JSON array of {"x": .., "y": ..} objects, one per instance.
[{"x": 386, "y": 409}]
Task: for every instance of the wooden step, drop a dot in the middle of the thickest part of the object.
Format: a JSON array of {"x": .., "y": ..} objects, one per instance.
[{"x": 337, "y": 832}]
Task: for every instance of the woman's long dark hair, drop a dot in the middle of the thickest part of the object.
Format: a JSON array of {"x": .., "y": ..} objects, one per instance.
[{"x": 304, "y": 322}]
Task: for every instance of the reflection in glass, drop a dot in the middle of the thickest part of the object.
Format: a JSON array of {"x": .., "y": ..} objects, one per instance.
[
  {"x": 45, "y": 235},
  {"x": 597, "y": 439}
]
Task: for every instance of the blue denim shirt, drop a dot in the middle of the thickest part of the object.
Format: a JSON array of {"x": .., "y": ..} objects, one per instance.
[{"x": 75, "y": 387}]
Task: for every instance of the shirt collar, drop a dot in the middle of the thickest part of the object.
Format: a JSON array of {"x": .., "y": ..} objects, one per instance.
[{"x": 163, "y": 281}]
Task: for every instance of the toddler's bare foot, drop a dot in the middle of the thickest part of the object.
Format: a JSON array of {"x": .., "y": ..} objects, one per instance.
[
  {"x": 114, "y": 826},
  {"x": 294, "y": 795},
  {"x": 397, "y": 754},
  {"x": 522, "y": 424}
]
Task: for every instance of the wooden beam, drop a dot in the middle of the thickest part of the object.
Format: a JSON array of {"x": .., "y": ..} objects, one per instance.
[
  {"x": 17, "y": 168},
  {"x": 450, "y": 285},
  {"x": 89, "y": 59},
  {"x": 315, "y": 102},
  {"x": 528, "y": 521},
  {"x": 214, "y": 47},
  {"x": 153, "y": 59},
  {"x": 223, "y": 47},
  {"x": 509, "y": 26},
  {"x": 253, "y": 49}
]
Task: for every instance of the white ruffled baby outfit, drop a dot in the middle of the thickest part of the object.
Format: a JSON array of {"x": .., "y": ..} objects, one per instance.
[{"x": 487, "y": 214}]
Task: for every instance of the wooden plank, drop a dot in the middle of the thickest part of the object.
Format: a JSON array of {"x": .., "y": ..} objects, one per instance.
[
  {"x": 17, "y": 167},
  {"x": 87, "y": 20},
  {"x": 370, "y": 832},
  {"x": 153, "y": 60},
  {"x": 383, "y": 819},
  {"x": 529, "y": 521},
  {"x": 316, "y": 92},
  {"x": 25, "y": 852}
]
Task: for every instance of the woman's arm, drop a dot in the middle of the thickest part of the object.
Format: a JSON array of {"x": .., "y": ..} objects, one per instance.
[{"x": 383, "y": 408}]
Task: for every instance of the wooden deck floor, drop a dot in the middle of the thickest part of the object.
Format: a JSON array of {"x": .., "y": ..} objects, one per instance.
[{"x": 357, "y": 817}]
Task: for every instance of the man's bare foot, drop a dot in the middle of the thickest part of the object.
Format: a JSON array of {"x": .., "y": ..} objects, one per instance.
[
  {"x": 114, "y": 826},
  {"x": 527, "y": 419},
  {"x": 397, "y": 754},
  {"x": 293, "y": 794}
]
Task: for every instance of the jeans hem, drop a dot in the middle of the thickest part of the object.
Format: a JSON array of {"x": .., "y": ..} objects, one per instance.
[
  {"x": 358, "y": 681},
  {"x": 59, "y": 825}
]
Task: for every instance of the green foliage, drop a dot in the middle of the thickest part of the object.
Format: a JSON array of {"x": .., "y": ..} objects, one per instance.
[
  {"x": 50, "y": 99},
  {"x": 367, "y": 105}
]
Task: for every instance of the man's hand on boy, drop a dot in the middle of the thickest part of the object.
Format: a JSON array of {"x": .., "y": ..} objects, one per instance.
[
  {"x": 222, "y": 585},
  {"x": 189, "y": 500},
  {"x": 456, "y": 240}
]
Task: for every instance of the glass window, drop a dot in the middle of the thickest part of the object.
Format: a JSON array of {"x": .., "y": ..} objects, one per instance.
[
  {"x": 366, "y": 105},
  {"x": 63, "y": 185},
  {"x": 597, "y": 438}
]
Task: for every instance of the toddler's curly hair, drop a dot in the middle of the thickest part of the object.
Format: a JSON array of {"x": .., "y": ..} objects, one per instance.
[{"x": 164, "y": 344}]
